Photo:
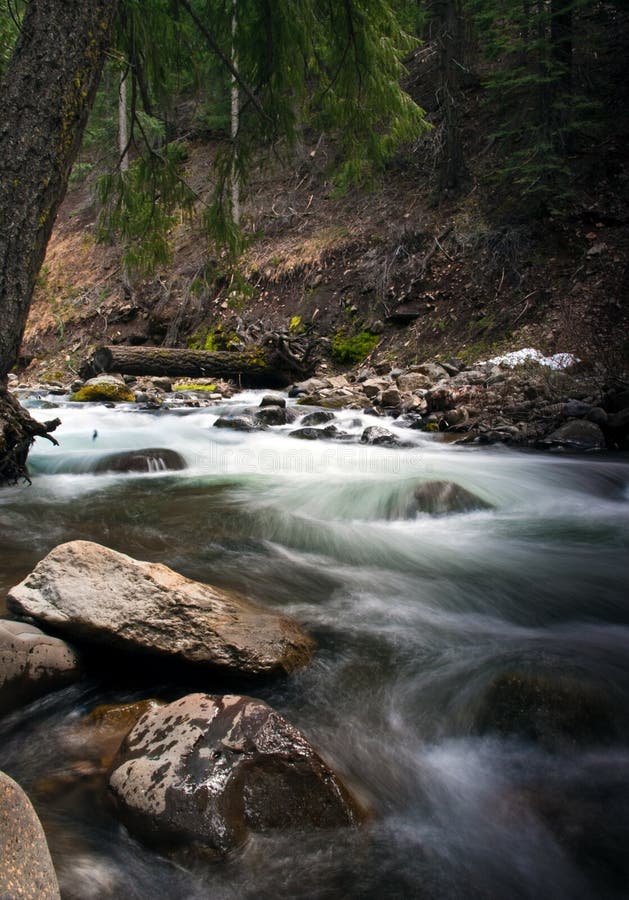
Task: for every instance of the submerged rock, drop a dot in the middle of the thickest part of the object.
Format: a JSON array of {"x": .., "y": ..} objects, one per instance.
[
  {"x": 32, "y": 663},
  {"x": 208, "y": 769},
  {"x": 552, "y": 709},
  {"x": 26, "y": 870},
  {"x": 154, "y": 459},
  {"x": 96, "y": 594},
  {"x": 440, "y": 498}
]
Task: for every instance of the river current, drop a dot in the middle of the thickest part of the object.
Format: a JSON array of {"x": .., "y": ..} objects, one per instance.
[{"x": 415, "y": 617}]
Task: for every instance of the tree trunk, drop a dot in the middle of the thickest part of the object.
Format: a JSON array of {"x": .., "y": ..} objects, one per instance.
[
  {"x": 45, "y": 98},
  {"x": 257, "y": 367},
  {"x": 452, "y": 169}
]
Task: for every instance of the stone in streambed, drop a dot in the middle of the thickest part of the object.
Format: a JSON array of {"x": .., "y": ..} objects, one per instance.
[
  {"x": 105, "y": 388},
  {"x": 32, "y": 663},
  {"x": 95, "y": 594},
  {"x": 318, "y": 417},
  {"x": 237, "y": 423},
  {"x": 153, "y": 459},
  {"x": 26, "y": 870},
  {"x": 378, "y": 436},
  {"x": 441, "y": 498},
  {"x": 206, "y": 770},
  {"x": 274, "y": 415},
  {"x": 577, "y": 435},
  {"x": 552, "y": 709}
]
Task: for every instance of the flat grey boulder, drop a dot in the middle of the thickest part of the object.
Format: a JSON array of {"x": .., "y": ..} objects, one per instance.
[
  {"x": 26, "y": 870},
  {"x": 207, "y": 769},
  {"x": 32, "y": 663},
  {"x": 95, "y": 594},
  {"x": 577, "y": 435}
]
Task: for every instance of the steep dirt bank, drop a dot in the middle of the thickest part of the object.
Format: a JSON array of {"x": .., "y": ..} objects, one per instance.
[{"x": 422, "y": 278}]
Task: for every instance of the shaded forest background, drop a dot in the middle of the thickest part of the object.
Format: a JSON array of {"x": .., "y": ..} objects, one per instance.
[{"x": 489, "y": 212}]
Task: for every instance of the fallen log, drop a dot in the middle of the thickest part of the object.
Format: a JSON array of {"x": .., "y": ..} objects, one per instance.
[{"x": 255, "y": 367}]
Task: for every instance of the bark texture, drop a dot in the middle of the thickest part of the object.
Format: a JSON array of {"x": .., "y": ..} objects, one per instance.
[
  {"x": 44, "y": 103},
  {"x": 258, "y": 367}
]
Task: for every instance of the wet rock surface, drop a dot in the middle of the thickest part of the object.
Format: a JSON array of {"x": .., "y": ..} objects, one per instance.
[
  {"x": 95, "y": 594},
  {"x": 208, "y": 769},
  {"x": 32, "y": 663},
  {"x": 554, "y": 709},
  {"x": 26, "y": 870},
  {"x": 153, "y": 459},
  {"x": 442, "y": 498}
]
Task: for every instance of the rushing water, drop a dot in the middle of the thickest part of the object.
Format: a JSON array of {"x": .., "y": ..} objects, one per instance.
[{"x": 415, "y": 617}]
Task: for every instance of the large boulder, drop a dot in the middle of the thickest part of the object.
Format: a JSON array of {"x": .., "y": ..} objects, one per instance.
[
  {"x": 153, "y": 459},
  {"x": 441, "y": 498},
  {"x": 378, "y": 436},
  {"x": 96, "y": 594},
  {"x": 208, "y": 769},
  {"x": 26, "y": 870},
  {"x": 32, "y": 663}
]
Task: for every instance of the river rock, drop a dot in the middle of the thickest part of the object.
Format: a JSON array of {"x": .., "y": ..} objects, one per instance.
[
  {"x": 104, "y": 387},
  {"x": 154, "y": 459},
  {"x": 26, "y": 870},
  {"x": 274, "y": 415},
  {"x": 272, "y": 400},
  {"x": 208, "y": 769},
  {"x": 578, "y": 435},
  {"x": 318, "y": 417},
  {"x": 390, "y": 397},
  {"x": 307, "y": 434},
  {"x": 441, "y": 498},
  {"x": 32, "y": 663},
  {"x": 95, "y": 594},
  {"x": 374, "y": 434},
  {"x": 413, "y": 381},
  {"x": 237, "y": 423},
  {"x": 553, "y": 709}
]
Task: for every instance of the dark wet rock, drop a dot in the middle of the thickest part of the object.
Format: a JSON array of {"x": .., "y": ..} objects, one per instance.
[
  {"x": 551, "y": 709},
  {"x": 32, "y": 663},
  {"x": 96, "y": 737},
  {"x": 576, "y": 409},
  {"x": 307, "y": 434},
  {"x": 26, "y": 869},
  {"x": 442, "y": 498},
  {"x": 95, "y": 594},
  {"x": 153, "y": 459},
  {"x": 274, "y": 415},
  {"x": 577, "y": 435},
  {"x": 272, "y": 400},
  {"x": 318, "y": 417},
  {"x": 237, "y": 423},
  {"x": 206, "y": 770},
  {"x": 374, "y": 434}
]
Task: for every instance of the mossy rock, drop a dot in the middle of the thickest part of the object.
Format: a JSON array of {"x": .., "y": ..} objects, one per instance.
[
  {"x": 194, "y": 386},
  {"x": 105, "y": 389}
]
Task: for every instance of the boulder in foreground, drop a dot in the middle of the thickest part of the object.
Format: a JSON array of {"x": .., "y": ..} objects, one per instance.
[
  {"x": 441, "y": 498},
  {"x": 208, "y": 769},
  {"x": 26, "y": 870},
  {"x": 92, "y": 593}
]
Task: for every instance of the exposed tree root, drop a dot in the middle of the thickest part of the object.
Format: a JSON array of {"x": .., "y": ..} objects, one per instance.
[{"x": 18, "y": 431}]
